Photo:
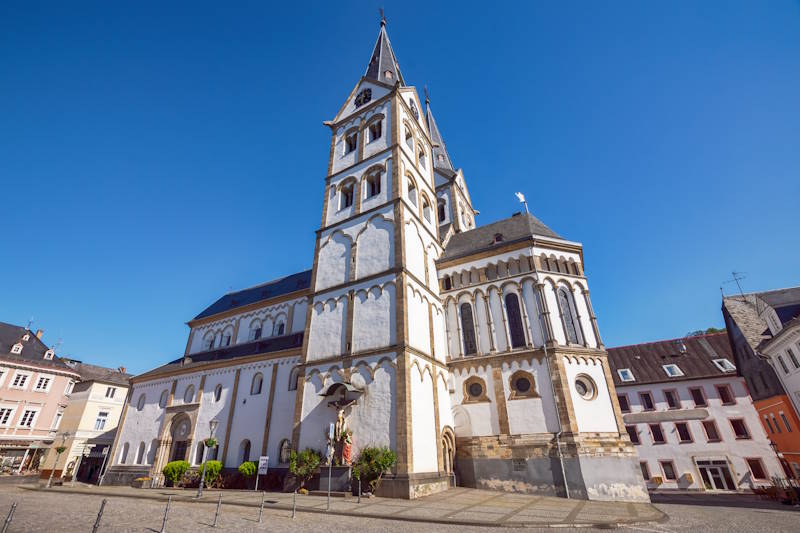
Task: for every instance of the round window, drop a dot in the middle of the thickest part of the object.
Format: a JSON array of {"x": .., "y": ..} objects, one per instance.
[
  {"x": 475, "y": 390},
  {"x": 584, "y": 385},
  {"x": 522, "y": 384}
]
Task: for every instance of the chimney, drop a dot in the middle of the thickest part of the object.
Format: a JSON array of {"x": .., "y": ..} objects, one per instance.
[
  {"x": 39, "y": 334},
  {"x": 121, "y": 370}
]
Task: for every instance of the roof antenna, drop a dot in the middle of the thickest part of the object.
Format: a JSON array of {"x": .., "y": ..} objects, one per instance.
[
  {"x": 737, "y": 277},
  {"x": 521, "y": 198},
  {"x": 58, "y": 345},
  {"x": 30, "y": 323},
  {"x": 383, "y": 18}
]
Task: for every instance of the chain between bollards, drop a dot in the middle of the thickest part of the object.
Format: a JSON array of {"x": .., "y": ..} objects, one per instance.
[
  {"x": 9, "y": 517},
  {"x": 261, "y": 510},
  {"x": 166, "y": 514},
  {"x": 294, "y": 504},
  {"x": 219, "y": 504},
  {"x": 99, "y": 516}
]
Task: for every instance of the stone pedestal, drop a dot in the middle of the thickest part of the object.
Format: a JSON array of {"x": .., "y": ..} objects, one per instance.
[{"x": 340, "y": 479}]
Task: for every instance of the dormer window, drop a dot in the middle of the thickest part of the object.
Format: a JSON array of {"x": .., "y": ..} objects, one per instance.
[
  {"x": 346, "y": 196},
  {"x": 498, "y": 237},
  {"x": 440, "y": 158},
  {"x": 672, "y": 370},
  {"x": 48, "y": 355},
  {"x": 388, "y": 74},
  {"x": 350, "y": 142},
  {"x": 724, "y": 365},
  {"x": 17, "y": 348},
  {"x": 625, "y": 374},
  {"x": 375, "y": 130},
  {"x": 26, "y": 337}
]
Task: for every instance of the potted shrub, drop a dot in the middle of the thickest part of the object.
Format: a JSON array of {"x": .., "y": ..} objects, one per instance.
[
  {"x": 174, "y": 472},
  {"x": 248, "y": 469},
  {"x": 303, "y": 465},
  {"x": 371, "y": 464}
]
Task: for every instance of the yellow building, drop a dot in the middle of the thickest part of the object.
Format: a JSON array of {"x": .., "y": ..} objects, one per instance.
[{"x": 89, "y": 423}]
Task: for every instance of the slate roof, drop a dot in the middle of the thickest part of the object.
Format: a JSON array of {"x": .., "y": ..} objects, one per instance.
[
  {"x": 383, "y": 59},
  {"x": 745, "y": 310},
  {"x": 437, "y": 139},
  {"x": 33, "y": 349},
  {"x": 519, "y": 227},
  {"x": 265, "y": 291},
  {"x": 99, "y": 373},
  {"x": 646, "y": 360},
  {"x": 272, "y": 344}
]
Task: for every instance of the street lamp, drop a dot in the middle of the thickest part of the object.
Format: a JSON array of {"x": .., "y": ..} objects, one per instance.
[
  {"x": 59, "y": 450},
  {"x": 210, "y": 442}
]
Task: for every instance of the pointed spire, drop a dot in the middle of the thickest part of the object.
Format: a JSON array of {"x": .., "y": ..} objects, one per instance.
[
  {"x": 383, "y": 65},
  {"x": 441, "y": 159}
]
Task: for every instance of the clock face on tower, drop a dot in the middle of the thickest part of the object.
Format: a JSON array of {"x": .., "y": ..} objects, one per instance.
[{"x": 363, "y": 97}]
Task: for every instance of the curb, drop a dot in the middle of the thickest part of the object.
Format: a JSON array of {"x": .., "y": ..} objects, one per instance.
[{"x": 281, "y": 507}]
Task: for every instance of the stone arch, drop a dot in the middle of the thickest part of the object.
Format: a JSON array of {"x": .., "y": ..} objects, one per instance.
[
  {"x": 374, "y": 247},
  {"x": 334, "y": 260},
  {"x": 462, "y": 422},
  {"x": 448, "y": 449}
]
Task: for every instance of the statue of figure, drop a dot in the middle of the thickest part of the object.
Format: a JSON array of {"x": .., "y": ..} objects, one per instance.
[
  {"x": 340, "y": 427},
  {"x": 347, "y": 448}
]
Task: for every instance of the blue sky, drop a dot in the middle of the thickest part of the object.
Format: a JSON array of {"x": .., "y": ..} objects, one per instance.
[{"x": 154, "y": 156}]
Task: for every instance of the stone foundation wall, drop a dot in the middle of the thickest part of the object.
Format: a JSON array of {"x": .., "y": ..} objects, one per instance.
[
  {"x": 124, "y": 475},
  {"x": 413, "y": 485},
  {"x": 597, "y": 466}
]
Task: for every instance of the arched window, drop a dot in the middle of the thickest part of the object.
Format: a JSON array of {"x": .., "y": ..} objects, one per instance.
[
  {"x": 244, "y": 451},
  {"x": 426, "y": 208},
  {"x": 217, "y": 393},
  {"x": 293, "y": 376},
  {"x": 422, "y": 156},
  {"x": 278, "y": 329},
  {"x": 514, "y": 321},
  {"x": 255, "y": 386},
  {"x": 375, "y": 130},
  {"x": 198, "y": 455},
  {"x": 373, "y": 184},
  {"x": 151, "y": 453},
  {"x": 284, "y": 451},
  {"x": 208, "y": 341},
  {"x": 255, "y": 329},
  {"x": 211, "y": 454},
  {"x": 468, "y": 330},
  {"x": 564, "y": 300},
  {"x": 162, "y": 401},
  {"x": 412, "y": 191},
  {"x": 409, "y": 138},
  {"x": 140, "y": 454},
  {"x": 123, "y": 456},
  {"x": 441, "y": 209},
  {"x": 188, "y": 394},
  {"x": 140, "y": 402},
  {"x": 346, "y": 196},
  {"x": 227, "y": 335},
  {"x": 350, "y": 141}
]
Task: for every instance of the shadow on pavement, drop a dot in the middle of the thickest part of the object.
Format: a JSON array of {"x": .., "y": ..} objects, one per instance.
[{"x": 720, "y": 500}]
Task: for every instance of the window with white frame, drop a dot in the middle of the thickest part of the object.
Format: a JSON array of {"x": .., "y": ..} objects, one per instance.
[
  {"x": 6, "y": 414},
  {"x": 672, "y": 370},
  {"x": 20, "y": 380},
  {"x": 57, "y": 421},
  {"x": 70, "y": 386},
  {"x": 110, "y": 392},
  {"x": 49, "y": 355},
  {"x": 724, "y": 365},
  {"x": 28, "y": 417},
  {"x": 3, "y": 374},
  {"x": 17, "y": 348},
  {"x": 43, "y": 383},
  {"x": 625, "y": 374},
  {"x": 100, "y": 421}
]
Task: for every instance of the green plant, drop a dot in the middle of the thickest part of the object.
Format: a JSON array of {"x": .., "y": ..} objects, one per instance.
[
  {"x": 210, "y": 442},
  {"x": 371, "y": 464},
  {"x": 304, "y": 464},
  {"x": 174, "y": 471},
  {"x": 60, "y": 449},
  {"x": 248, "y": 468},
  {"x": 213, "y": 468}
]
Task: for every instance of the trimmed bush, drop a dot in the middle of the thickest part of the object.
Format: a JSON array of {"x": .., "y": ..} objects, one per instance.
[
  {"x": 248, "y": 468},
  {"x": 174, "y": 472},
  {"x": 213, "y": 468},
  {"x": 372, "y": 463},
  {"x": 304, "y": 464}
]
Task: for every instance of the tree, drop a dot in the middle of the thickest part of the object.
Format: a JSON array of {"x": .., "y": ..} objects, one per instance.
[
  {"x": 372, "y": 463},
  {"x": 304, "y": 464}
]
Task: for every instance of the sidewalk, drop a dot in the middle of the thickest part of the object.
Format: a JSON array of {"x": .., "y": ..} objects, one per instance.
[{"x": 458, "y": 506}]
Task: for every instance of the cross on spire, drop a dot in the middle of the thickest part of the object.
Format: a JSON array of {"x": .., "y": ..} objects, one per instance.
[{"x": 383, "y": 18}]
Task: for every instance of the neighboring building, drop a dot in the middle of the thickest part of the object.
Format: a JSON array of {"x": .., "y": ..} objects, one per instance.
[
  {"x": 764, "y": 331},
  {"x": 467, "y": 350},
  {"x": 691, "y": 417},
  {"x": 90, "y": 421},
  {"x": 34, "y": 387}
]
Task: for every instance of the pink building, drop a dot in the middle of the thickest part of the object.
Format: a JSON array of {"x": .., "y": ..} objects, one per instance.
[{"x": 34, "y": 388}]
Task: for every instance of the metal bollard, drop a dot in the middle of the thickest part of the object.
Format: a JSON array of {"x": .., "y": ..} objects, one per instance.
[
  {"x": 9, "y": 517},
  {"x": 219, "y": 504},
  {"x": 294, "y": 504},
  {"x": 99, "y": 516},
  {"x": 359, "y": 490},
  {"x": 166, "y": 514},
  {"x": 261, "y": 510}
]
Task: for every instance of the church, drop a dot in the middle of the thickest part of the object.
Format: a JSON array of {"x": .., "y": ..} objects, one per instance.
[{"x": 471, "y": 351}]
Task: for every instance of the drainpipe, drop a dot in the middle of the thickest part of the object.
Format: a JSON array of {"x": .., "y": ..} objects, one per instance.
[{"x": 550, "y": 371}]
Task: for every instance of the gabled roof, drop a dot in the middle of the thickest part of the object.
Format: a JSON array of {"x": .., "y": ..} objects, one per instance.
[
  {"x": 99, "y": 373},
  {"x": 33, "y": 349},
  {"x": 518, "y": 227},
  {"x": 439, "y": 148},
  {"x": 265, "y": 291},
  {"x": 746, "y": 310},
  {"x": 646, "y": 360},
  {"x": 383, "y": 60}
]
